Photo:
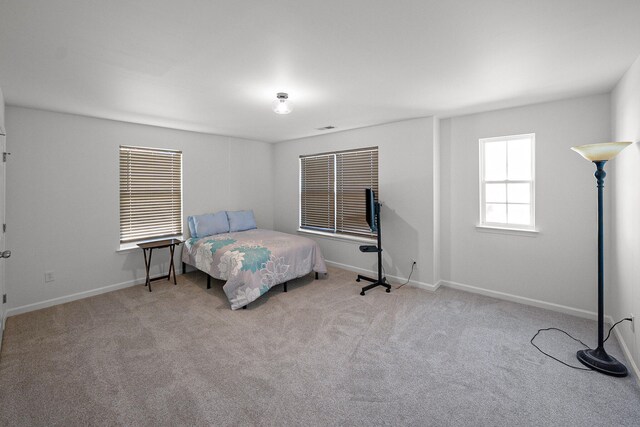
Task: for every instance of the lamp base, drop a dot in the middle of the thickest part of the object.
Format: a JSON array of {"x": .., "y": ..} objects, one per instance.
[{"x": 600, "y": 361}]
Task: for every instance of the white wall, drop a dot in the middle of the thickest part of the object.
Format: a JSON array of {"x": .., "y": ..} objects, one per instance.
[
  {"x": 1, "y": 110},
  {"x": 624, "y": 257},
  {"x": 406, "y": 185},
  {"x": 558, "y": 265},
  {"x": 62, "y": 198}
]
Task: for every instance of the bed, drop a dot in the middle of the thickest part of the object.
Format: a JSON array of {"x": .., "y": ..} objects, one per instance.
[{"x": 253, "y": 261}]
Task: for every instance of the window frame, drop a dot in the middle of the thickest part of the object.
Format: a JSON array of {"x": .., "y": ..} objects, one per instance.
[
  {"x": 531, "y": 227},
  {"x": 335, "y": 232},
  {"x": 131, "y": 244}
]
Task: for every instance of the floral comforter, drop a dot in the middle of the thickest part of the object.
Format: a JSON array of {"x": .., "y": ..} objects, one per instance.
[{"x": 253, "y": 261}]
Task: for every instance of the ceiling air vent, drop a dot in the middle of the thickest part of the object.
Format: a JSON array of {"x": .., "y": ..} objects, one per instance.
[{"x": 326, "y": 128}]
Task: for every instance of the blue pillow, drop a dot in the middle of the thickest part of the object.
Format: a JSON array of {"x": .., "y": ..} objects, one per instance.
[
  {"x": 241, "y": 220},
  {"x": 192, "y": 227},
  {"x": 210, "y": 224}
]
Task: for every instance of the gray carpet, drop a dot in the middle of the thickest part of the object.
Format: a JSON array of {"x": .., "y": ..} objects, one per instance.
[{"x": 318, "y": 355}]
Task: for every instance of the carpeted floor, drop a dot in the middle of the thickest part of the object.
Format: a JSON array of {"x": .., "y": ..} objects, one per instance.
[{"x": 320, "y": 354}]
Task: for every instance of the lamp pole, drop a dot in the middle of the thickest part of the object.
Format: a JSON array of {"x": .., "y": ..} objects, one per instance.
[
  {"x": 600, "y": 175},
  {"x": 598, "y": 359}
]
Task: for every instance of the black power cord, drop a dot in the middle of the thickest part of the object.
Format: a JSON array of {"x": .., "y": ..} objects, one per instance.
[
  {"x": 412, "y": 267},
  {"x": 614, "y": 325},
  {"x": 575, "y": 339}
]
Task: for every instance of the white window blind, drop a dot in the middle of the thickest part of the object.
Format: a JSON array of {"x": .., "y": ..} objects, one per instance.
[
  {"x": 150, "y": 193},
  {"x": 332, "y": 196},
  {"x": 356, "y": 171},
  {"x": 317, "y": 192}
]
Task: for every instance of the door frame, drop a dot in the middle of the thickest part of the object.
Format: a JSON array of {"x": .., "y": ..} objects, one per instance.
[{"x": 3, "y": 180}]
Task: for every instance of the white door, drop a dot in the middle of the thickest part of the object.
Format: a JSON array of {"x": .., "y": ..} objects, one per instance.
[{"x": 3, "y": 292}]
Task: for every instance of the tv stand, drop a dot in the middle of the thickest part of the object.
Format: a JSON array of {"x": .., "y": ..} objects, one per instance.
[{"x": 381, "y": 280}]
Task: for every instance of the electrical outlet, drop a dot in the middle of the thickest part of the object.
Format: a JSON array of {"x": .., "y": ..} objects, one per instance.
[
  {"x": 414, "y": 263},
  {"x": 49, "y": 276},
  {"x": 633, "y": 322}
]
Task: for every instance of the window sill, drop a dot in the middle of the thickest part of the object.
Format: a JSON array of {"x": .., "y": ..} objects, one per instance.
[
  {"x": 505, "y": 230},
  {"x": 130, "y": 247},
  {"x": 126, "y": 248},
  {"x": 342, "y": 237}
]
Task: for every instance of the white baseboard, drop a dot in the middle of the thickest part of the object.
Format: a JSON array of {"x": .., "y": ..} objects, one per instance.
[
  {"x": 68, "y": 298},
  {"x": 414, "y": 283},
  {"x": 626, "y": 351},
  {"x": 522, "y": 300}
]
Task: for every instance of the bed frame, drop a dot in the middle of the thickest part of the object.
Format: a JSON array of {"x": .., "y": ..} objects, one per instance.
[{"x": 184, "y": 269}]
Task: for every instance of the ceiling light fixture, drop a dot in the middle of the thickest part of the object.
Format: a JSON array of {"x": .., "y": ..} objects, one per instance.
[{"x": 282, "y": 105}]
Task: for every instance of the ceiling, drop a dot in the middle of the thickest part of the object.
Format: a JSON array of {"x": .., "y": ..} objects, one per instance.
[{"x": 216, "y": 66}]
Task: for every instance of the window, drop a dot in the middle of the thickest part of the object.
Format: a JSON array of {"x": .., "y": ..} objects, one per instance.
[
  {"x": 150, "y": 194},
  {"x": 332, "y": 197},
  {"x": 507, "y": 169}
]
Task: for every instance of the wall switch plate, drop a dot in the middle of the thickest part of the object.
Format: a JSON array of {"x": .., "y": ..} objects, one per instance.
[{"x": 49, "y": 276}]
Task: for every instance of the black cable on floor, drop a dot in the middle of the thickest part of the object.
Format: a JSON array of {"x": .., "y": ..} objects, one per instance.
[
  {"x": 554, "y": 358},
  {"x": 575, "y": 339}
]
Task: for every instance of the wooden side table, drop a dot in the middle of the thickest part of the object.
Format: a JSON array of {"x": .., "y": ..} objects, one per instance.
[{"x": 150, "y": 246}]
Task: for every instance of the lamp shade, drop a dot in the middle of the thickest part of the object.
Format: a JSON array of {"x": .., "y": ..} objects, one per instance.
[{"x": 600, "y": 152}]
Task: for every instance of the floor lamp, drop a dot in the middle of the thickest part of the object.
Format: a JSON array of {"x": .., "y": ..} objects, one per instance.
[{"x": 598, "y": 359}]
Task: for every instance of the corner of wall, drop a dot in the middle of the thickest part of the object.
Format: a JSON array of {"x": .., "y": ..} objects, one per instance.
[
  {"x": 3, "y": 278},
  {"x": 437, "y": 274},
  {"x": 444, "y": 183},
  {"x": 623, "y": 296}
]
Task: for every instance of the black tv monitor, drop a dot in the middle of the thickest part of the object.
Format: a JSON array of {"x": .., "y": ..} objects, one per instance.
[{"x": 371, "y": 209}]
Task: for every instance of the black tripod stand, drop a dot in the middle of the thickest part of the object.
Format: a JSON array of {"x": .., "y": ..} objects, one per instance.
[{"x": 381, "y": 281}]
